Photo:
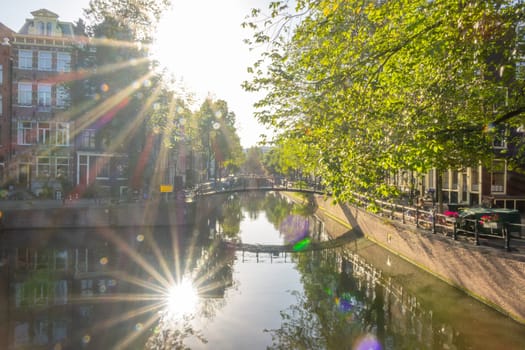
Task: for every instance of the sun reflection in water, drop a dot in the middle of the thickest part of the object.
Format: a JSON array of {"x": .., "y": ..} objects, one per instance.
[{"x": 181, "y": 299}]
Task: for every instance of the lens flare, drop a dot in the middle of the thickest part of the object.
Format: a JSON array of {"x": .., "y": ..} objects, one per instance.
[
  {"x": 181, "y": 299},
  {"x": 301, "y": 245},
  {"x": 368, "y": 342}
]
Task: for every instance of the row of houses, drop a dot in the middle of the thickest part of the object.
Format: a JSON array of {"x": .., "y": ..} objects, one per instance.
[
  {"x": 44, "y": 150},
  {"x": 499, "y": 184}
]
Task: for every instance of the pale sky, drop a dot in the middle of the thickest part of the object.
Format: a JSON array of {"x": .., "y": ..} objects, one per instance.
[{"x": 204, "y": 48}]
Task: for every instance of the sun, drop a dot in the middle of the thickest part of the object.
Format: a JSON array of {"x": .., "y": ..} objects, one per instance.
[
  {"x": 181, "y": 299},
  {"x": 182, "y": 46}
]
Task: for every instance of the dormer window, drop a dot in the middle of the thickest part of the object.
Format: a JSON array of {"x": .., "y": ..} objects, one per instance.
[
  {"x": 49, "y": 28},
  {"x": 41, "y": 28}
]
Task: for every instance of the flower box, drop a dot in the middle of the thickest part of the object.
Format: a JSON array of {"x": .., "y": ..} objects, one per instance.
[{"x": 491, "y": 224}]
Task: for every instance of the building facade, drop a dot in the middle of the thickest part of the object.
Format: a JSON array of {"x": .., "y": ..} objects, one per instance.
[
  {"x": 41, "y": 152},
  {"x": 6, "y": 62}
]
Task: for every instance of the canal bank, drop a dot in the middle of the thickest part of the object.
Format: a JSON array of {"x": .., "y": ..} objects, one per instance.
[{"x": 491, "y": 275}]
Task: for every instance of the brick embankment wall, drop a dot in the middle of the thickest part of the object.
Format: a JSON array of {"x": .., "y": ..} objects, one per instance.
[{"x": 491, "y": 275}]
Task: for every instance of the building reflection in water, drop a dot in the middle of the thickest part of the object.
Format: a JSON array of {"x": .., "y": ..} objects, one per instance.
[{"x": 110, "y": 288}]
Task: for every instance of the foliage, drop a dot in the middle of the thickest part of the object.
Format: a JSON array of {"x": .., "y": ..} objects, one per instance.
[
  {"x": 217, "y": 137},
  {"x": 361, "y": 89},
  {"x": 137, "y": 18},
  {"x": 253, "y": 163}
]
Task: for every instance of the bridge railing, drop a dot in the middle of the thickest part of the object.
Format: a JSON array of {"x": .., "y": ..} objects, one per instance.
[{"x": 255, "y": 183}]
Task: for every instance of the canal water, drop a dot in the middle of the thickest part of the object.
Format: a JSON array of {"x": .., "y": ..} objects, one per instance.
[{"x": 254, "y": 271}]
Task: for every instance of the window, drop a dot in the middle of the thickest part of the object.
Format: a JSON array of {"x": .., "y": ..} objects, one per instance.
[
  {"x": 102, "y": 165},
  {"x": 41, "y": 293},
  {"x": 61, "y": 292},
  {"x": 474, "y": 178},
  {"x": 41, "y": 28},
  {"x": 61, "y": 259},
  {"x": 520, "y": 70},
  {"x": 62, "y": 133},
  {"x": 49, "y": 28},
  {"x": 62, "y": 167},
  {"x": 44, "y": 133},
  {"x": 41, "y": 332},
  {"x": 1, "y": 74},
  {"x": 63, "y": 62},
  {"x": 20, "y": 294},
  {"x": 1, "y": 106},
  {"x": 455, "y": 177},
  {"x": 59, "y": 331},
  {"x": 87, "y": 138},
  {"x": 498, "y": 176},
  {"x": 25, "y": 94},
  {"x": 62, "y": 96},
  {"x": 44, "y": 95},
  {"x": 86, "y": 288},
  {"x": 43, "y": 167},
  {"x": 499, "y": 140},
  {"x": 22, "y": 334},
  {"x": 25, "y": 133},
  {"x": 25, "y": 59},
  {"x": 45, "y": 60},
  {"x": 445, "y": 180}
]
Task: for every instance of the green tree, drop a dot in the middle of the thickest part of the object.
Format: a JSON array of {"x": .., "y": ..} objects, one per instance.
[
  {"x": 367, "y": 88},
  {"x": 218, "y": 138},
  {"x": 253, "y": 163},
  {"x": 114, "y": 96}
]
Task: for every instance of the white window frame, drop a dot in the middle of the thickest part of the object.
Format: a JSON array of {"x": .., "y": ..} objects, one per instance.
[
  {"x": 62, "y": 134},
  {"x": 43, "y": 166},
  {"x": 62, "y": 96},
  {"x": 25, "y": 133},
  {"x": 498, "y": 187},
  {"x": 63, "y": 62},
  {"x": 45, "y": 60},
  {"x": 25, "y": 94},
  {"x": 49, "y": 28},
  {"x": 41, "y": 28},
  {"x": 62, "y": 163},
  {"x": 102, "y": 167},
  {"x": 88, "y": 138},
  {"x": 43, "y": 133},
  {"x": 25, "y": 59},
  {"x": 44, "y": 95}
]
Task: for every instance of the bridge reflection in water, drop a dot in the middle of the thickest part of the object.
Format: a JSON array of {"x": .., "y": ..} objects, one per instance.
[{"x": 100, "y": 289}]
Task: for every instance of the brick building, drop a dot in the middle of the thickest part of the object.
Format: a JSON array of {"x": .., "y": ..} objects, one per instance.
[{"x": 41, "y": 56}]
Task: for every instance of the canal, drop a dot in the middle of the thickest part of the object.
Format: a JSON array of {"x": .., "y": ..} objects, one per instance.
[{"x": 254, "y": 271}]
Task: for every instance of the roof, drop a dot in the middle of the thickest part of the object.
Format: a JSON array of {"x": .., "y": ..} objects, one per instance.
[
  {"x": 66, "y": 28},
  {"x": 44, "y": 13},
  {"x": 5, "y": 31}
]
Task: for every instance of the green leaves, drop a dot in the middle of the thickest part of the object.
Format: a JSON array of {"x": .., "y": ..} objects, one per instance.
[{"x": 385, "y": 86}]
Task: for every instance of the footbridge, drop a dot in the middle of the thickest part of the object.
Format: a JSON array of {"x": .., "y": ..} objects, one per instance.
[
  {"x": 304, "y": 245},
  {"x": 248, "y": 184}
]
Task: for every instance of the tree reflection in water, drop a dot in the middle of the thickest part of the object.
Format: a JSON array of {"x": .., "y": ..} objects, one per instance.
[{"x": 108, "y": 289}]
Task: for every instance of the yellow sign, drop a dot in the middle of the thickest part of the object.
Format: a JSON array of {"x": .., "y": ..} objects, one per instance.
[{"x": 166, "y": 188}]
